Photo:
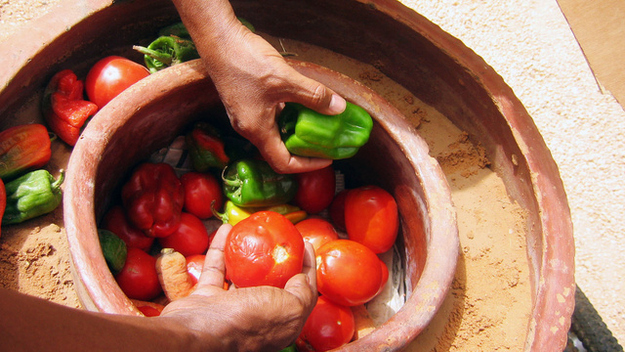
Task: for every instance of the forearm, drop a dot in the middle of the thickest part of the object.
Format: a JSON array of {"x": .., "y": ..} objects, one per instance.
[
  {"x": 212, "y": 24},
  {"x": 32, "y": 324}
]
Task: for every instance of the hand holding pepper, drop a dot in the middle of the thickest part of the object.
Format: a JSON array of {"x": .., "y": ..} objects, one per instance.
[{"x": 253, "y": 80}]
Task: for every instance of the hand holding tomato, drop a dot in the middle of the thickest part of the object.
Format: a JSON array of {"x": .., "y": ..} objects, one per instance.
[
  {"x": 264, "y": 249},
  {"x": 267, "y": 318}
]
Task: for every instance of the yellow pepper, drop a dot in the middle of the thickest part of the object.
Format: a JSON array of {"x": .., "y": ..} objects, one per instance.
[{"x": 233, "y": 214}]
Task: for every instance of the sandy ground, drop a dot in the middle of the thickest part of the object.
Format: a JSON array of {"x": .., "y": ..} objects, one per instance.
[{"x": 531, "y": 46}]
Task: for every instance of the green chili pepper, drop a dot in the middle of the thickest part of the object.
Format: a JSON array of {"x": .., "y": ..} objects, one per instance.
[
  {"x": 253, "y": 183},
  {"x": 31, "y": 195},
  {"x": 166, "y": 51},
  {"x": 306, "y": 132}
]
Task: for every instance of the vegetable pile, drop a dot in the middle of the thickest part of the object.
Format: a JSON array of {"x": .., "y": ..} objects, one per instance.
[
  {"x": 154, "y": 238},
  {"x": 166, "y": 217}
]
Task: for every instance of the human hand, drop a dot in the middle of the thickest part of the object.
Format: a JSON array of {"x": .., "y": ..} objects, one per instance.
[
  {"x": 254, "y": 81},
  {"x": 254, "y": 318}
]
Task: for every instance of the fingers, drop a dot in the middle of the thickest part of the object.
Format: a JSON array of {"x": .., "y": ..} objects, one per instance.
[
  {"x": 315, "y": 95},
  {"x": 275, "y": 153},
  {"x": 304, "y": 285},
  {"x": 310, "y": 265},
  {"x": 214, "y": 266}
]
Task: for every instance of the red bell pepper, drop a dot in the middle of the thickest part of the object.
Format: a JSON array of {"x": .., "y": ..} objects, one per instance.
[
  {"x": 64, "y": 107},
  {"x": 115, "y": 221},
  {"x": 23, "y": 148},
  {"x": 153, "y": 199}
]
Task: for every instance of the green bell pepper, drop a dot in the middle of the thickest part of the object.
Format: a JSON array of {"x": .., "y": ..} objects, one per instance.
[
  {"x": 253, "y": 183},
  {"x": 306, "y": 132},
  {"x": 31, "y": 195}
]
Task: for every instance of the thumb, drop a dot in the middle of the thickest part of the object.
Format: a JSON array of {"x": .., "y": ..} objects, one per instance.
[{"x": 318, "y": 97}]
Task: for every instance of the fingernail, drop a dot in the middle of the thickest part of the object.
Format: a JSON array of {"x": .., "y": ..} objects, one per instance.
[{"x": 337, "y": 104}]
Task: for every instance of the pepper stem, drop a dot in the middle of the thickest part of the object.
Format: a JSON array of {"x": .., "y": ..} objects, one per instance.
[
  {"x": 221, "y": 216},
  {"x": 59, "y": 181},
  {"x": 154, "y": 54}
]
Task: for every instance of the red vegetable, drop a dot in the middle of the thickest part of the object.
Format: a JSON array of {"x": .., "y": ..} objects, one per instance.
[
  {"x": 138, "y": 279},
  {"x": 371, "y": 217},
  {"x": 315, "y": 189},
  {"x": 111, "y": 76},
  {"x": 263, "y": 249},
  {"x": 348, "y": 273},
  {"x": 115, "y": 221},
  {"x": 337, "y": 210},
  {"x": 23, "y": 148},
  {"x": 202, "y": 192},
  {"x": 190, "y": 238},
  {"x": 153, "y": 199},
  {"x": 328, "y": 326},
  {"x": 64, "y": 107},
  {"x": 317, "y": 231}
]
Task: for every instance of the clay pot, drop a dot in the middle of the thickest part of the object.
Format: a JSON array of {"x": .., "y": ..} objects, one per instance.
[
  {"x": 154, "y": 111},
  {"x": 433, "y": 65}
]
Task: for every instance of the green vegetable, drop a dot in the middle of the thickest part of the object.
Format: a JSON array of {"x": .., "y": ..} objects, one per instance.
[
  {"x": 173, "y": 46},
  {"x": 306, "y": 132},
  {"x": 206, "y": 147},
  {"x": 253, "y": 183},
  {"x": 166, "y": 51},
  {"x": 114, "y": 250},
  {"x": 291, "y": 348},
  {"x": 31, "y": 195}
]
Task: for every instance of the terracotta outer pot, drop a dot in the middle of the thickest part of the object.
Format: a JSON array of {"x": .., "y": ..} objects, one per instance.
[{"x": 405, "y": 46}]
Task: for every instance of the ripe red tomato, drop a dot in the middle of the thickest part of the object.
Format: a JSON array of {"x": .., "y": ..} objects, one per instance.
[
  {"x": 337, "y": 210},
  {"x": 138, "y": 279},
  {"x": 371, "y": 217},
  {"x": 195, "y": 263},
  {"x": 263, "y": 249},
  {"x": 315, "y": 189},
  {"x": 348, "y": 273},
  {"x": 110, "y": 76},
  {"x": 115, "y": 221},
  {"x": 317, "y": 231},
  {"x": 190, "y": 238},
  {"x": 328, "y": 326},
  {"x": 200, "y": 191}
]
